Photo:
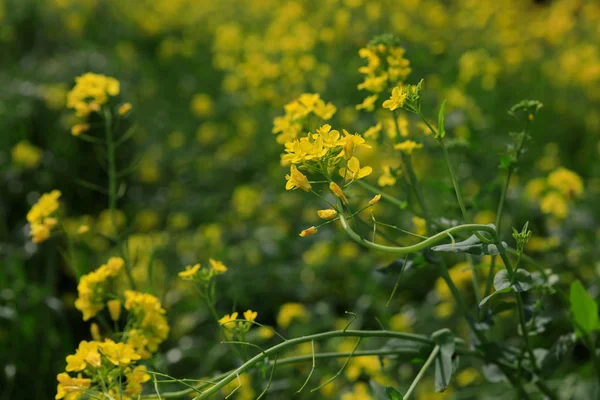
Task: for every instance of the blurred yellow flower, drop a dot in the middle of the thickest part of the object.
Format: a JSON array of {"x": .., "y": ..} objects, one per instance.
[
  {"x": 190, "y": 272},
  {"x": 408, "y": 146},
  {"x": 291, "y": 311},
  {"x": 26, "y": 155}
]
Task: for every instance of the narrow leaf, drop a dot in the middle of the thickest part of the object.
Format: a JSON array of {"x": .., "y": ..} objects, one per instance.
[
  {"x": 485, "y": 300},
  {"x": 444, "y": 363},
  {"x": 441, "y": 128}
]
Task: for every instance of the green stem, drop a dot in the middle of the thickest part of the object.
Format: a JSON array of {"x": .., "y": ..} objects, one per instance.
[
  {"x": 400, "y": 204},
  {"x": 424, "y": 368},
  {"x": 112, "y": 187},
  {"x": 293, "y": 342},
  {"x": 431, "y": 241}
]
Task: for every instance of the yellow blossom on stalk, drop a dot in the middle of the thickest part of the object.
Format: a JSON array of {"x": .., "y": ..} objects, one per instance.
[
  {"x": 26, "y": 155},
  {"x": 71, "y": 388},
  {"x": 87, "y": 354},
  {"x": 337, "y": 190},
  {"x": 135, "y": 378},
  {"x": 327, "y": 214},
  {"x": 95, "y": 332},
  {"x": 119, "y": 354},
  {"x": 124, "y": 109},
  {"x": 91, "y": 287},
  {"x": 387, "y": 178},
  {"x": 375, "y": 199},
  {"x": 374, "y": 84},
  {"x": 150, "y": 325},
  {"x": 217, "y": 267},
  {"x": 555, "y": 204},
  {"x": 368, "y": 103},
  {"x": 40, "y": 216},
  {"x": 354, "y": 171},
  {"x": 330, "y": 138},
  {"x": 397, "y": 98},
  {"x": 408, "y": 146},
  {"x": 291, "y": 311},
  {"x": 297, "y": 179},
  {"x": 250, "y": 315},
  {"x": 91, "y": 91},
  {"x": 352, "y": 142},
  {"x": 114, "y": 309},
  {"x": 190, "y": 272},
  {"x": 78, "y": 129},
  {"x": 226, "y": 321},
  {"x": 308, "y": 231},
  {"x": 373, "y": 132},
  {"x": 566, "y": 182},
  {"x": 83, "y": 229}
]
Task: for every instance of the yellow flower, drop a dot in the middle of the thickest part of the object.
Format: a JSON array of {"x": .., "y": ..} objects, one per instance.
[
  {"x": 86, "y": 355},
  {"x": 26, "y": 155},
  {"x": 135, "y": 378},
  {"x": 190, "y": 272},
  {"x": 337, "y": 190},
  {"x": 352, "y": 142},
  {"x": 368, "y": 103},
  {"x": 250, "y": 315},
  {"x": 291, "y": 311},
  {"x": 555, "y": 204},
  {"x": 217, "y": 267},
  {"x": 40, "y": 216},
  {"x": 83, "y": 229},
  {"x": 408, "y": 146},
  {"x": 397, "y": 98},
  {"x": 297, "y": 179},
  {"x": 78, "y": 129},
  {"x": 566, "y": 182},
  {"x": 119, "y": 354},
  {"x": 327, "y": 214},
  {"x": 308, "y": 231},
  {"x": 373, "y": 132},
  {"x": 124, "y": 109},
  {"x": 226, "y": 321},
  {"x": 202, "y": 105},
  {"x": 420, "y": 225},
  {"x": 91, "y": 91},
  {"x": 114, "y": 309},
  {"x": 387, "y": 179},
  {"x": 354, "y": 171},
  {"x": 71, "y": 388},
  {"x": 375, "y": 199}
]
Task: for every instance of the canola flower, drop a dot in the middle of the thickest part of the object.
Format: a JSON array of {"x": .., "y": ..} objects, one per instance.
[
  {"x": 100, "y": 362},
  {"x": 289, "y": 126},
  {"x": 26, "y": 155},
  {"x": 91, "y": 92},
  {"x": 41, "y": 216},
  {"x": 92, "y": 287},
  {"x": 149, "y": 327}
]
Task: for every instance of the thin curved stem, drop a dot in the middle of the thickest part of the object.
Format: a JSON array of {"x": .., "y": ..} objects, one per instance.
[{"x": 422, "y": 371}]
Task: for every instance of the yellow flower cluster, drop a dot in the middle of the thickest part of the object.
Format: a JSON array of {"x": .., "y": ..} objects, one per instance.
[
  {"x": 556, "y": 191},
  {"x": 386, "y": 67},
  {"x": 297, "y": 114},
  {"x": 149, "y": 325},
  {"x": 240, "y": 327},
  {"x": 40, "y": 217},
  {"x": 101, "y": 361},
  {"x": 292, "y": 311},
  {"x": 92, "y": 286},
  {"x": 91, "y": 91}
]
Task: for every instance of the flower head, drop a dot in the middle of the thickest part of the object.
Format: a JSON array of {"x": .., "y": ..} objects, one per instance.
[
  {"x": 308, "y": 231},
  {"x": 408, "y": 146},
  {"x": 397, "y": 98},
  {"x": 354, "y": 171},
  {"x": 297, "y": 179},
  {"x": 190, "y": 272}
]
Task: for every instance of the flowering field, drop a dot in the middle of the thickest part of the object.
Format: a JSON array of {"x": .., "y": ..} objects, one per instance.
[{"x": 334, "y": 199}]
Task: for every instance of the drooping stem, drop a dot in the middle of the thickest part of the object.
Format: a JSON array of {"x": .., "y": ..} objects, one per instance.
[{"x": 422, "y": 371}]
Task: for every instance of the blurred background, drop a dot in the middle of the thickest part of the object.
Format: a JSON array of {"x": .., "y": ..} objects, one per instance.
[{"x": 203, "y": 177}]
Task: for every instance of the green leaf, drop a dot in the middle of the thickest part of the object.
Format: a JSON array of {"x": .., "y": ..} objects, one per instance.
[
  {"x": 441, "y": 132},
  {"x": 506, "y": 161},
  {"x": 444, "y": 362},
  {"x": 393, "y": 393},
  {"x": 471, "y": 245},
  {"x": 522, "y": 281},
  {"x": 584, "y": 310},
  {"x": 485, "y": 300}
]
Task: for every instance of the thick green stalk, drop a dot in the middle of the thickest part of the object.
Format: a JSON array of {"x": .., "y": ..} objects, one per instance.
[
  {"x": 429, "y": 242},
  {"x": 422, "y": 371},
  {"x": 112, "y": 187}
]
